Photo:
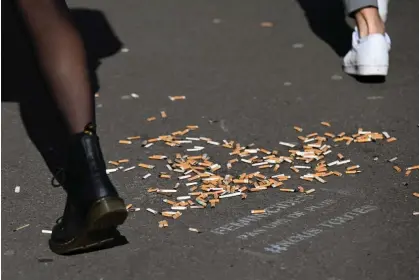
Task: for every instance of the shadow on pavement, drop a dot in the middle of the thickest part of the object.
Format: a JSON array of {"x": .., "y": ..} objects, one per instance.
[
  {"x": 327, "y": 19},
  {"x": 23, "y": 82}
]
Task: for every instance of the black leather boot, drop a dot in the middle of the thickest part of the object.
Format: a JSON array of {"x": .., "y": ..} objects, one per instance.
[{"x": 93, "y": 209}]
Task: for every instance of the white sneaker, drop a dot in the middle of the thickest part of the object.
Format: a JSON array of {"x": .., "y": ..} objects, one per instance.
[
  {"x": 369, "y": 56},
  {"x": 355, "y": 63}
]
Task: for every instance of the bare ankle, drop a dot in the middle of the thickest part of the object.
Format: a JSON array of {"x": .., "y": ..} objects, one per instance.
[{"x": 369, "y": 21}]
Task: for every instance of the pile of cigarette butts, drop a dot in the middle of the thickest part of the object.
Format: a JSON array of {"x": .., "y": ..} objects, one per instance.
[{"x": 310, "y": 159}]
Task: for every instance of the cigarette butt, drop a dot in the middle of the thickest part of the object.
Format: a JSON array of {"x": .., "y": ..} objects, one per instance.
[
  {"x": 146, "y": 175},
  {"x": 151, "y": 119},
  {"x": 416, "y": 194},
  {"x": 337, "y": 173},
  {"x": 46, "y": 231},
  {"x": 266, "y": 24},
  {"x": 299, "y": 129},
  {"x": 320, "y": 179},
  {"x": 147, "y": 166},
  {"x": 240, "y": 181},
  {"x": 391, "y": 139},
  {"x": 415, "y": 213},
  {"x": 133, "y": 137},
  {"x": 341, "y": 134},
  {"x": 163, "y": 224},
  {"x": 330, "y": 135},
  {"x": 287, "y": 190},
  {"x": 307, "y": 178},
  {"x": 177, "y": 215},
  {"x": 262, "y": 211},
  {"x": 21, "y": 227},
  {"x": 163, "y": 114},
  {"x": 178, "y": 97},
  {"x": 128, "y": 206},
  {"x": 352, "y": 167},
  {"x": 352, "y": 171},
  {"x": 194, "y": 230},
  {"x": 151, "y": 211},
  {"x": 398, "y": 169},
  {"x": 310, "y": 191},
  {"x": 171, "y": 202},
  {"x": 123, "y": 160},
  {"x": 408, "y": 173},
  {"x": 17, "y": 189},
  {"x": 125, "y": 142},
  {"x": 113, "y": 162},
  {"x": 413, "y": 167},
  {"x": 300, "y": 189},
  {"x": 244, "y": 196},
  {"x": 326, "y": 124},
  {"x": 295, "y": 169},
  {"x": 157, "y": 157},
  {"x": 302, "y": 138},
  {"x": 340, "y": 156}
]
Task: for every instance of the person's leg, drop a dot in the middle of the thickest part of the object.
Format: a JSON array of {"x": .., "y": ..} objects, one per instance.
[
  {"x": 367, "y": 17},
  {"x": 61, "y": 55},
  {"x": 93, "y": 205},
  {"x": 371, "y": 45}
]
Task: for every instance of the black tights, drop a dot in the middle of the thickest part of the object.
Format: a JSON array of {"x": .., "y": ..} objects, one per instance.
[{"x": 62, "y": 57}]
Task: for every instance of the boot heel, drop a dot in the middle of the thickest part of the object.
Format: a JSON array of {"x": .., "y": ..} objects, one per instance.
[{"x": 106, "y": 213}]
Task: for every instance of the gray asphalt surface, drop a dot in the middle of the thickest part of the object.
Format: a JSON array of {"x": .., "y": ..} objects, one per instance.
[{"x": 250, "y": 84}]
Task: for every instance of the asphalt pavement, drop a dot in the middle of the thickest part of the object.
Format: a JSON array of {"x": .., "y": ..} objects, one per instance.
[{"x": 243, "y": 81}]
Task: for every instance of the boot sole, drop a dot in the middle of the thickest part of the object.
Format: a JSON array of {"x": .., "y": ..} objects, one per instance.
[{"x": 104, "y": 216}]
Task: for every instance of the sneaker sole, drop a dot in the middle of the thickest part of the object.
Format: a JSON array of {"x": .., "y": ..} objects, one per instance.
[
  {"x": 379, "y": 70},
  {"x": 366, "y": 70},
  {"x": 103, "y": 218}
]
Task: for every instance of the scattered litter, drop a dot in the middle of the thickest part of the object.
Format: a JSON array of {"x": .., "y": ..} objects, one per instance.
[
  {"x": 203, "y": 183},
  {"x": 21, "y": 227},
  {"x": 124, "y": 50},
  {"x": 127, "y": 142},
  {"x": 134, "y": 95},
  {"x": 416, "y": 213},
  {"x": 97, "y": 94},
  {"x": 150, "y": 119},
  {"x": 46, "y": 231},
  {"x": 17, "y": 189},
  {"x": 416, "y": 194},
  {"x": 163, "y": 114},
  {"x": 266, "y": 24}
]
